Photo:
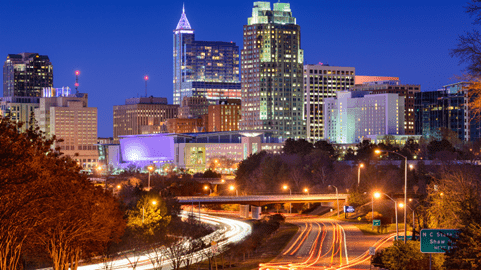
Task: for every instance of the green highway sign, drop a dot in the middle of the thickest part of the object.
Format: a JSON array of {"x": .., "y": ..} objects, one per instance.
[
  {"x": 376, "y": 222},
  {"x": 401, "y": 237},
  {"x": 437, "y": 240}
]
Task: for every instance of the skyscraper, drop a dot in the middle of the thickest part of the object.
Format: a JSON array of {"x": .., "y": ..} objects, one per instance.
[
  {"x": 272, "y": 67},
  {"x": 207, "y": 69},
  {"x": 26, "y": 74},
  {"x": 320, "y": 82}
]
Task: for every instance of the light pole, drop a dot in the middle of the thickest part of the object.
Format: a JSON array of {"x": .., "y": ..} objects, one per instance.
[
  {"x": 143, "y": 210},
  {"x": 232, "y": 188},
  {"x": 395, "y": 212},
  {"x": 290, "y": 193},
  {"x": 337, "y": 198},
  {"x": 377, "y": 195},
  {"x": 207, "y": 188},
  {"x": 149, "y": 169},
  {"x": 359, "y": 174},
  {"x": 306, "y": 190},
  {"x": 405, "y": 187},
  {"x": 402, "y": 205}
]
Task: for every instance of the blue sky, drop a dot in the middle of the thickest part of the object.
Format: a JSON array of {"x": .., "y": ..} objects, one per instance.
[{"x": 114, "y": 43}]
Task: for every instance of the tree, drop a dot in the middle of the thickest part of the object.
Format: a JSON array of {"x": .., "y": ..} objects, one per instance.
[
  {"x": 149, "y": 216},
  {"x": 300, "y": 147},
  {"x": 326, "y": 147},
  {"x": 402, "y": 256},
  {"x": 466, "y": 254}
]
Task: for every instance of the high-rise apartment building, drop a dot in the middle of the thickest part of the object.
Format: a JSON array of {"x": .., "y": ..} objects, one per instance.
[
  {"x": 320, "y": 82},
  {"x": 447, "y": 108},
  {"x": 26, "y": 74},
  {"x": 138, "y": 113},
  {"x": 224, "y": 116},
  {"x": 352, "y": 116},
  {"x": 207, "y": 69},
  {"x": 68, "y": 117},
  {"x": 394, "y": 87},
  {"x": 272, "y": 67}
]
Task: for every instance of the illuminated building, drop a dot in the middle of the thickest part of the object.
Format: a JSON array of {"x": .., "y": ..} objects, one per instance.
[
  {"x": 352, "y": 116},
  {"x": 141, "y": 113},
  {"x": 361, "y": 79},
  {"x": 224, "y": 116},
  {"x": 19, "y": 109},
  {"x": 26, "y": 74},
  {"x": 272, "y": 71},
  {"x": 185, "y": 125},
  {"x": 393, "y": 87},
  {"x": 207, "y": 69},
  {"x": 447, "y": 108},
  {"x": 192, "y": 151},
  {"x": 320, "y": 82},
  {"x": 68, "y": 117},
  {"x": 193, "y": 107}
]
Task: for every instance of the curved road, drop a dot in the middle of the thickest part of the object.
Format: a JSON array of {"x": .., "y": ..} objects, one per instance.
[
  {"x": 323, "y": 243},
  {"x": 230, "y": 231}
]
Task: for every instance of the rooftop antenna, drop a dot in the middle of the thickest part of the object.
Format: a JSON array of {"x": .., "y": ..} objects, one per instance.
[
  {"x": 76, "y": 81},
  {"x": 146, "y": 78}
]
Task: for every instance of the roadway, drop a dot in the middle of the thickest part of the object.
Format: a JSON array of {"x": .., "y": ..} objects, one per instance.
[
  {"x": 229, "y": 231},
  {"x": 326, "y": 244}
]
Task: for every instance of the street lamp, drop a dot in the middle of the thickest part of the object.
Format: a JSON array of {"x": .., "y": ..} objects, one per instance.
[
  {"x": 405, "y": 187},
  {"x": 208, "y": 188},
  {"x": 306, "y": 190},
  {"x": 359, "y": 174},
  {"x": 150, "y": 168},
  {"x": 402, "y": 205},
  {"x": 290, "y": 193},
  {"x": 143, "y": 210},
  {"x": 337, "y": 198},
  {"x": 375, "y": 195},
  {"x": 232, "y": 188},
  {"x": 395, "y": 211}
]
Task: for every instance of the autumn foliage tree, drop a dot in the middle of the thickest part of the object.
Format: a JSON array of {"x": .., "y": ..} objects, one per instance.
[{"x": 46, "y": 205}]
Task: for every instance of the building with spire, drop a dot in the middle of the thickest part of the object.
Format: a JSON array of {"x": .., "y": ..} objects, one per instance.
[
  {"x": 272, "y": 72},
  {"x": 207, "y": 69}
]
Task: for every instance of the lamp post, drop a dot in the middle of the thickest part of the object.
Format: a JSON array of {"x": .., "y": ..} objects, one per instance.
[
  {"x": 359, "y": 174},
  {"x": 395, "y": 212},
  {"x": 377, "y": 195},
  {"x": 402, "y": 205},
  {"x": 306, "y": 190},
  {"x": 150, "y": 168},
  {"x": 290, "y": 193},
  {"x": 207, "y": 188},
  {"x": 143, "y": 211},
  {"x": 405, "y": 187},
  {"x": 337, "y": 198}
]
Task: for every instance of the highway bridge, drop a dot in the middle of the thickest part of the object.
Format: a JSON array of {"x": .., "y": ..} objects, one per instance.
[{"x": 260, "y": 200}]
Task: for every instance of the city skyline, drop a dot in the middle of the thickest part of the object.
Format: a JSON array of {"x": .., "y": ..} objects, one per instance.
[{"x": 114, "y": 46}]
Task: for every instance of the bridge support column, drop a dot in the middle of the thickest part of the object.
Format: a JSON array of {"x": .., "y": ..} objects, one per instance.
[
  {"x": 256, "y": 212},
  {"x": 244, "y": 210}
]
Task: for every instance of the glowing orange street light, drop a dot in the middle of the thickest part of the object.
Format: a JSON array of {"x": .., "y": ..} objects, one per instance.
[
  {"x": 359, "y": 174},
  {"x": 207, "y": 188},
  {"x": 232, "y": 188},
  {"x": 119, "y": 186},
  {"x": 150, "y": 168}
]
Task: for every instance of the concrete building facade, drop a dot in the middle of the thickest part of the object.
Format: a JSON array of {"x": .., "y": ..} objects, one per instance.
[
  {"x": 320, "y": 82},
  {"x": 141, "y": 113},
  {"x": 352, "y": 116},
  {"x": 69, "y": 118}
]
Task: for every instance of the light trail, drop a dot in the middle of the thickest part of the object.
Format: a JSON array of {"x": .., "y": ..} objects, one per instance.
[{"x": 232, "y": 231}]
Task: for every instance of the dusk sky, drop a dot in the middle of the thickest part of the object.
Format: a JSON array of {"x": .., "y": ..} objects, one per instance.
[{"x": 115, "y": 43}]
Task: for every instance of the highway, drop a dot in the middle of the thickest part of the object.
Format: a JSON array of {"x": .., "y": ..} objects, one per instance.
[
  {"x": 323, "y": 243},
  {"x": 229, "y": 231},
  {"x": 263, "y": 199}
]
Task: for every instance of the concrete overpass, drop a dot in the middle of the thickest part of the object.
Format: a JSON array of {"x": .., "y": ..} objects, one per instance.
[{"x": 260, "y": 200}]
